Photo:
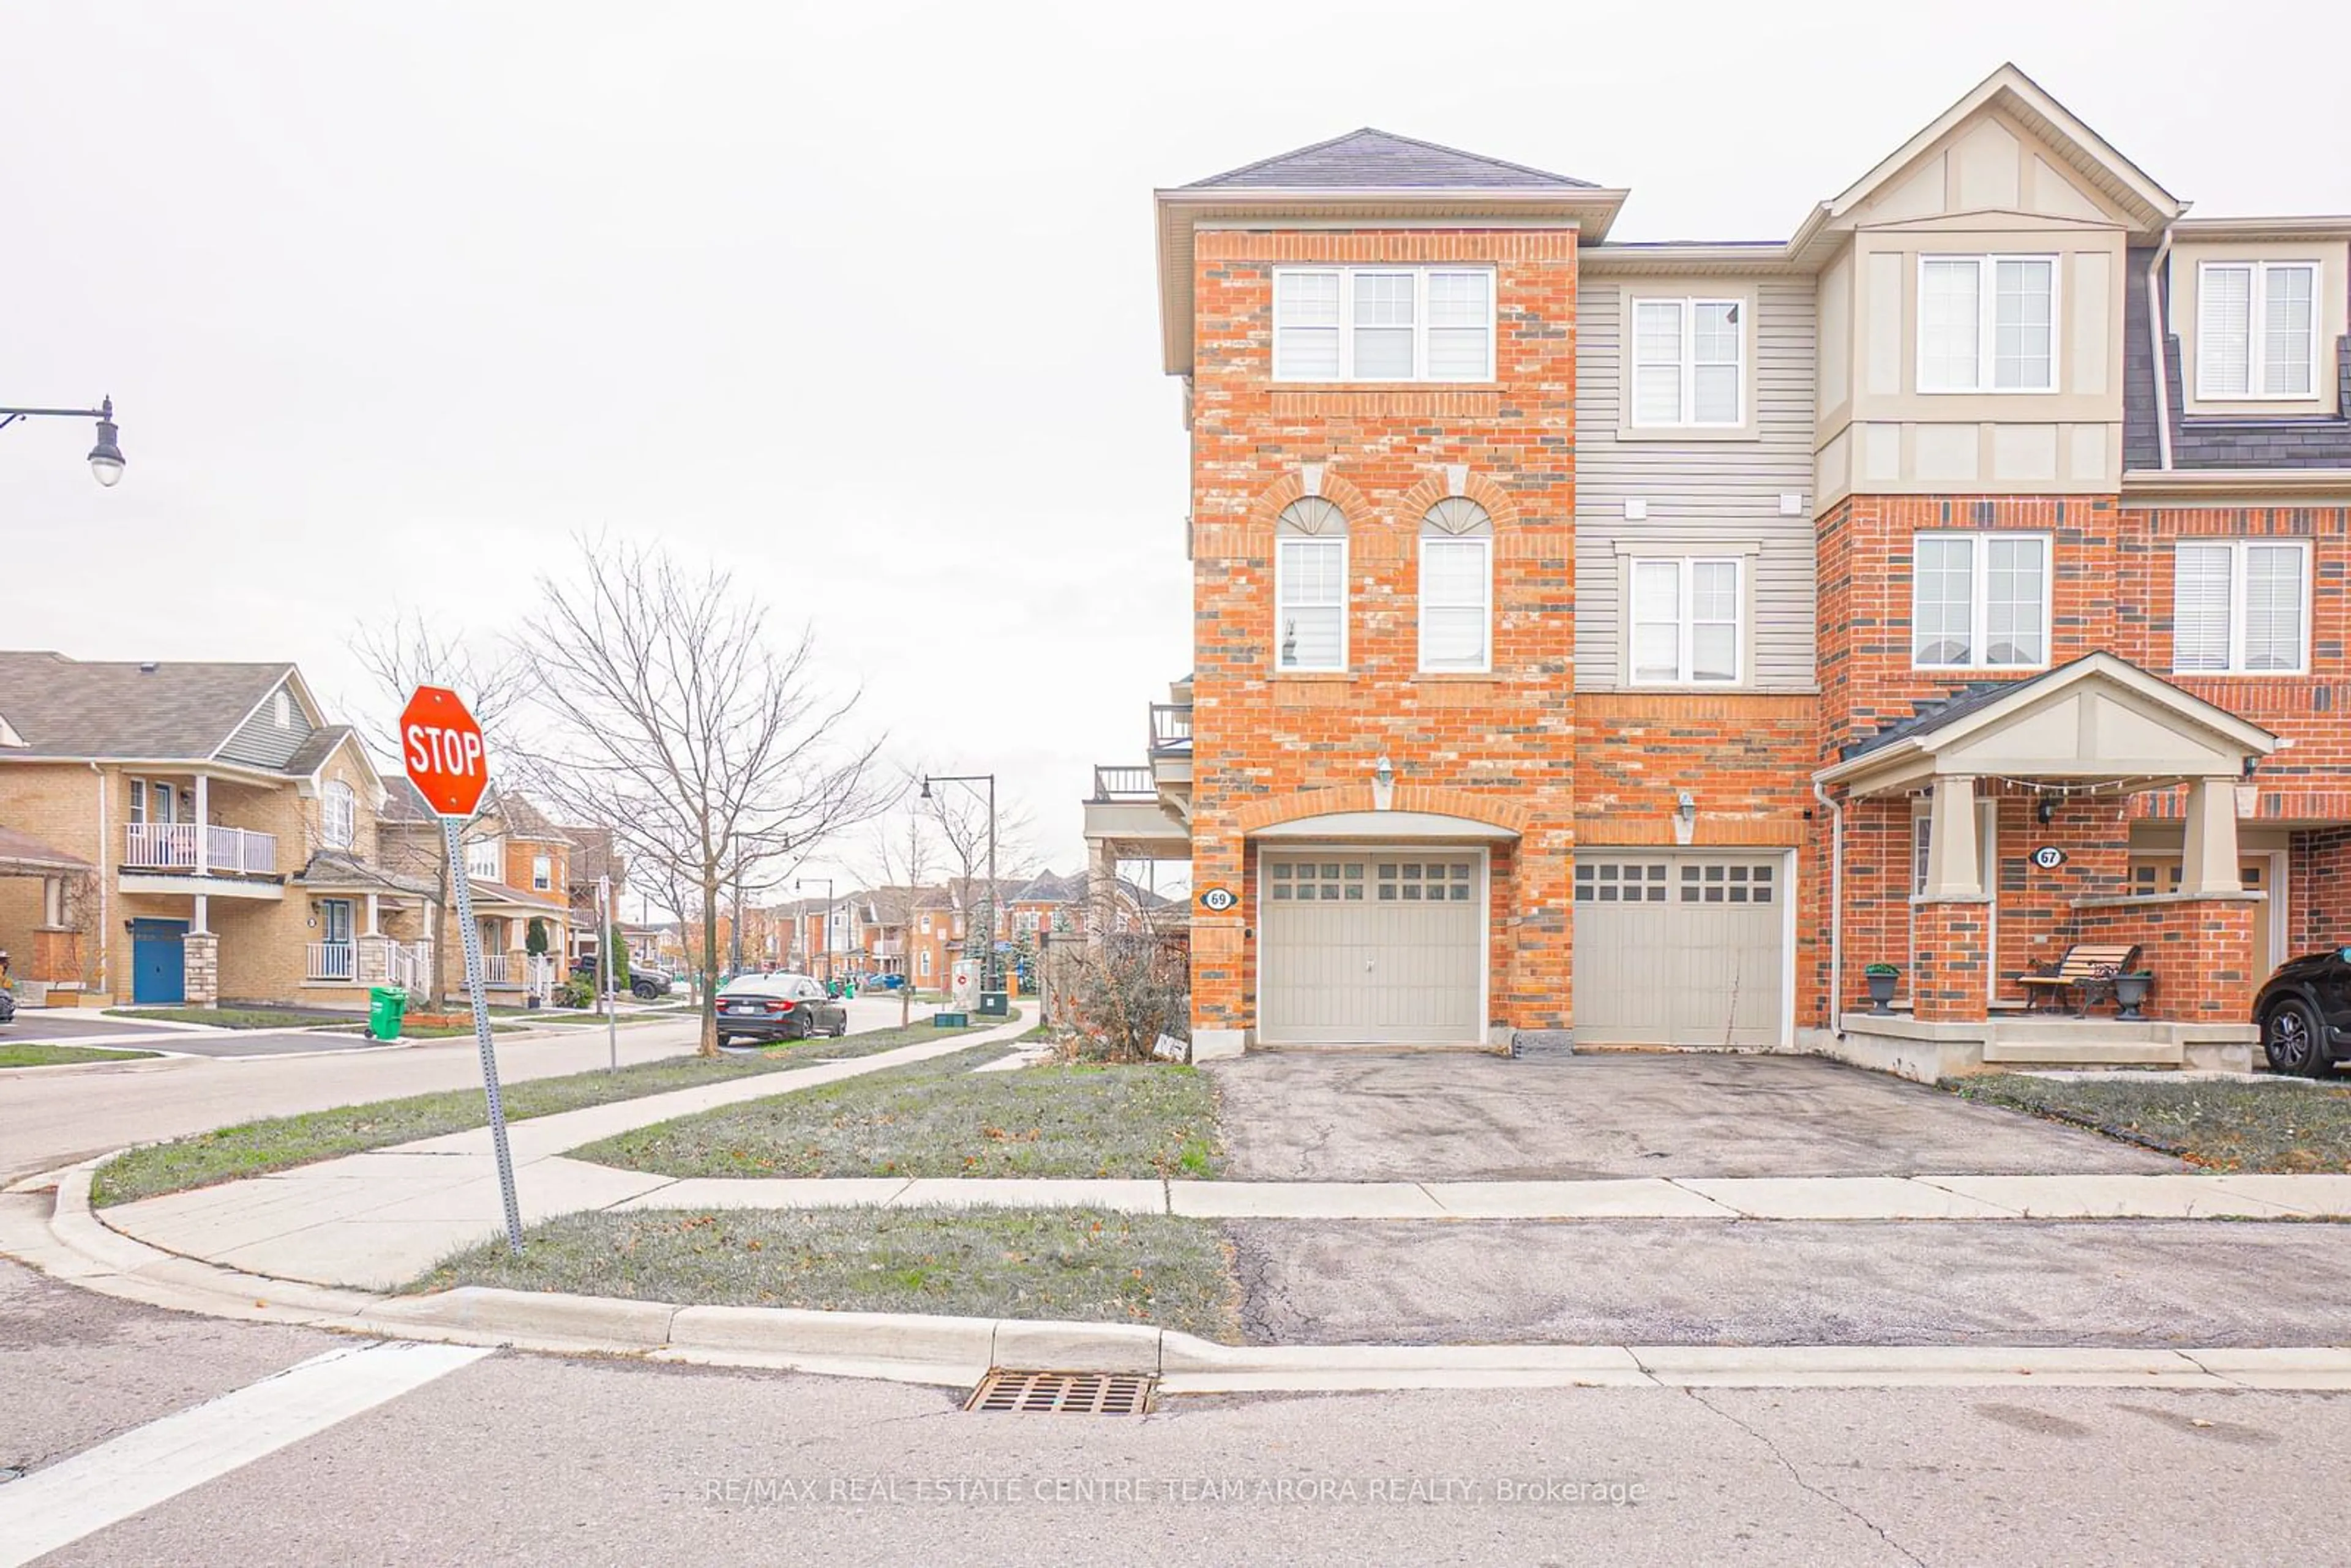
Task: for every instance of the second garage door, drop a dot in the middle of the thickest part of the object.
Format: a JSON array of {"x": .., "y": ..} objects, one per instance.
[
  {"x": 1360, "y": 948},
  {"x": 1680, "y": 949}
]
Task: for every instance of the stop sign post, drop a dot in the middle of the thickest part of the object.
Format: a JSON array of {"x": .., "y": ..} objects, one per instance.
[{"x": 441, "y": 746}]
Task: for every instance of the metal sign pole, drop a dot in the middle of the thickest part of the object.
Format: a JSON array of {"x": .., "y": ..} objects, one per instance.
[
  {"x": 473, "y": 939},
  {"x": 609, "y": 937}
]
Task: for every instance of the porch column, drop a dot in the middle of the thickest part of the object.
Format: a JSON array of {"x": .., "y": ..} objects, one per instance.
[
  {"x": 373, "y": 928},
  {"x": 2208, "y": 861},
  {"x": 203, "y": 836},
  {"x": 1954, "y": 863},
  {"x": 202, "y": 924}
]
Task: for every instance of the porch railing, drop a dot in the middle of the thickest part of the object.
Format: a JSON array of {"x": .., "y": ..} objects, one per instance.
[
  {"x": 1171, "y": 727},
  {"x": 1122, "y": 783},
  {"x": 172, "y": 846},
  {"x": 330, "y": 961},
  {"x": 409, "y": 964}
]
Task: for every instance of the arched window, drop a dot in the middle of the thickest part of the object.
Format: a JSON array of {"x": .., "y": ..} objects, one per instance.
[
  {"x": 338, "y": 815},
  {"x": 1457, "y": 587},
  {"x": 1310, "y": 586}
]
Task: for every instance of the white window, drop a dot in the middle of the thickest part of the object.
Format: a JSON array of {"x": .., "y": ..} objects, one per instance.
[
  {"x": 482, "y": 859},
  {"x": 1383, "y": 324},
  {"x": 2238, "y": 607},
  {"x": 338, "y": 815},
  {"x": 138, "y": 799},
  {"x": 1309, "y": 587},
  {"x": 1978, "y": 601},
  {"x": 2256, "y": 329},
  {"x": 542, "y": 872},
  {"x": 1686, "y": 621},
  {"x": 1688, "y": 362},
  {"x": 1987, "y": 323},
  {"x": 284, "y": 705},
  {"x": 923, "y": 960},
  {"x": 1457, "y": 587},
  {"x": 926, "y": 925}
]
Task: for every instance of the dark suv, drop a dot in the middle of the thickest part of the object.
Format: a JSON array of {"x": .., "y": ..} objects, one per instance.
[
  {"x": 2304, "y": 1012},
  {"x": 645, "y": 984}
]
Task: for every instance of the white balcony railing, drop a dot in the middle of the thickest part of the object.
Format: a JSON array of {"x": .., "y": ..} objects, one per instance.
[
  {"x": 172, "y": 846},
  {"x": 332, "y": 961}
]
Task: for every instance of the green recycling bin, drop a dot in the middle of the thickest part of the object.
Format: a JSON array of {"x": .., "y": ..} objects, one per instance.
[{"x": 387, "y": 1005}]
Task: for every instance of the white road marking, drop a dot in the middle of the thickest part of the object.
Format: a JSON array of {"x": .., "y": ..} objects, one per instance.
[{"x": 105, "y": 1484}]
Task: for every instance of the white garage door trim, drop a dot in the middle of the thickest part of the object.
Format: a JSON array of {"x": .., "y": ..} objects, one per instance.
[
  {"x": 1480, "y": 901},
  {"x": 1789, "y": 896}
]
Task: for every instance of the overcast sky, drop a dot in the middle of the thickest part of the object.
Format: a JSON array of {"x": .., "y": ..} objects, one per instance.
[{"x": 857, "y": 297}]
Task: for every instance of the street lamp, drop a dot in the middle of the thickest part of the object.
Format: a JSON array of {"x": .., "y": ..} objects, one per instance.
[
  {"x": 987, "y": 963},
  {"x": 106, "y": 460},
  {"x": 801, "y": 886}
]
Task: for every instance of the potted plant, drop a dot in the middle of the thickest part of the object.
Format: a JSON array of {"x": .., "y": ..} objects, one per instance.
[
  {"x": 2130, "y": 990},
  {"x": 1881, "y": 978}
]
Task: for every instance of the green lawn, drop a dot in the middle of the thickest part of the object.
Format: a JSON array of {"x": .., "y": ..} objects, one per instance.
[
  {"x": 240, "y": 1018},
  {"x": 940, "y": 1119},
  {"x": 279, "y": 1142},
  {"x": 33, "y": 1053},
  {"x": 1082, "y": 1265},
  {"x": 2250, "y": 1124}
]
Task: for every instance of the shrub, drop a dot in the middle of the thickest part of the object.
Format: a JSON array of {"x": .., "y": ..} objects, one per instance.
[{"x": 534, "y": 939}]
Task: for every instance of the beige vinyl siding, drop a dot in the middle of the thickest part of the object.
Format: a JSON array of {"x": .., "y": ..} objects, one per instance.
[{"x": 1705, "y": 496}]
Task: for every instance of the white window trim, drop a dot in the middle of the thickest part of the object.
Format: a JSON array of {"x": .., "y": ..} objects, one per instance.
[
  {"x": 1987, "y": 325},
  {"x": 1690, "y": 304},
  {"x": 2257, "y": 332},
  {"x": 542, "y": 881},
  {"x": 339, "y": 798},
  {"x": 2237, "y": 581},
  {"x": 1281, "y": 598},
  {"x": 1485, "y": 664},
  {"x": 1979, "y": 613},
  {"x": 1686, "y": 621},
  {"x": 1420, "y": 275}
]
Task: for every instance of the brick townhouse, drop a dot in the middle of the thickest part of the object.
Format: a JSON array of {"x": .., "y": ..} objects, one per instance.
[{"x": 1633, "y": 642}]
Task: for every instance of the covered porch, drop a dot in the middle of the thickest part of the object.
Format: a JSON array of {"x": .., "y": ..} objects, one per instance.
[
  {"x": 42, "y": 944},
  {"x": 1988, "y": 839}
]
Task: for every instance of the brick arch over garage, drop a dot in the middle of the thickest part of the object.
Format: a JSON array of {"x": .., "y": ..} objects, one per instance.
[{"x": 1495, "y": 812}]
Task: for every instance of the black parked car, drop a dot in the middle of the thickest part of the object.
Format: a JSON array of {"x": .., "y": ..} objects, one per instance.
[
  {"x": 2304, "y": 1012},
  {"x": 7, "y": 1005},
  {"x": 777, "y": 1006},
  {"x": 645, "y": 984}
]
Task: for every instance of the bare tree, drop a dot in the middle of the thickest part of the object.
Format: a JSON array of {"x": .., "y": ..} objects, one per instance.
[
  {"x": 717, "y": 755},
  {"x": 903, "y": 857},
  {"x": 401, "y": 653},
  {"x": 958, "y": 817}
]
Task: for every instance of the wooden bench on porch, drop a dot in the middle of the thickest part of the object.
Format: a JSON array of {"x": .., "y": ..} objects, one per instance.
[{"x": 2087, "y": 968}]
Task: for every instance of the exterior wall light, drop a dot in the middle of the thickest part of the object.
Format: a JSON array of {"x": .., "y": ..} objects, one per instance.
[{"x": 1383, "y": 783}]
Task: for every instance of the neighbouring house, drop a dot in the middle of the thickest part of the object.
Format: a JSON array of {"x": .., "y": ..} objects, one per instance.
[
  {"x": 515, "y": 865},
  {"x": 595, "y": 869},
  {"x": 1632, "y": 643},
  {"x": 189, "y": 833}
]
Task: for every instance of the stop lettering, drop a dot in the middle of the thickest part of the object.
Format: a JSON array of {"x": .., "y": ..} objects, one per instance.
[{"x": 441, "y": 744}]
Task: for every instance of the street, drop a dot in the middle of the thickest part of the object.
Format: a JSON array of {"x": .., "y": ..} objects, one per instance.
[{"x": 527, "y": 1458}]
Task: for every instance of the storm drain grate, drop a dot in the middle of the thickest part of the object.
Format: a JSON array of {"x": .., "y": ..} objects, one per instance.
[{"x": 1064, "y": 1393}]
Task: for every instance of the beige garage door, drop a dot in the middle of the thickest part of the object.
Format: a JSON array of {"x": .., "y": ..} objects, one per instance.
[
  {"x": 1679, "y": 949},
  {"x": 1356, "y": 948}
]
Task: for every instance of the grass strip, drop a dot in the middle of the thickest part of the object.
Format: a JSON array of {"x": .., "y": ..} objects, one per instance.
[
  {"x": 2249, "y": 1125},
  {"x": 240, "y": 1018},
  {"x": 280, "y": 1143},
  {"x": 939, "y": 1118},
  {"x": 1071, "y": 1264},
  {"x": 34, "y": 1053}
]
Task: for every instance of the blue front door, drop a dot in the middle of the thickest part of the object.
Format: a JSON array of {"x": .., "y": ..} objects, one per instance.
[{"x": 158, "y": 973}]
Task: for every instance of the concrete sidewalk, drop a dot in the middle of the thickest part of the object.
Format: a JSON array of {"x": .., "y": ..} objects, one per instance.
[{"x": 378, "y": 1219}]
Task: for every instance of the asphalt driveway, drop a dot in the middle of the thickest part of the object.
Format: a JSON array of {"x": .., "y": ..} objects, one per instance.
[
  {"x": 1358, "y": 1116},
  {"x": 76, "y": 1023}
]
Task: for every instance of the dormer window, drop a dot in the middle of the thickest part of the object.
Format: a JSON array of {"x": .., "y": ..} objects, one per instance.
[
  {"x": 2256, "y": 330},
  {"x": 1987, "y": 324}
]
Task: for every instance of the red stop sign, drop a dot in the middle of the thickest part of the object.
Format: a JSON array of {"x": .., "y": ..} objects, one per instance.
[{"x": 441, "y": 746}]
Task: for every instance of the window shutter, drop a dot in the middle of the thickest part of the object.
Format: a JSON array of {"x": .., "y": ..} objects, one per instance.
[
  {"x": 2200, "y": 607},
  {"x": 2273, "y": 607},
  {"x": 2224, "y": 331}
]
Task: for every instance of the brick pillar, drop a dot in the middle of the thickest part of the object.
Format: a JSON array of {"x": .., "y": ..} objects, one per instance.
[
  {"x": 200, "y": 968},
  {"x": 1948, "y": 964},
  {"x": 373, "y": 959},
  {"x": 1221, "y": 1011}
]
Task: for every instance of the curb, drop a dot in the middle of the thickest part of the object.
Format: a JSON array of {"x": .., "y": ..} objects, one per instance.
[{"x": 72, "y": 1244}]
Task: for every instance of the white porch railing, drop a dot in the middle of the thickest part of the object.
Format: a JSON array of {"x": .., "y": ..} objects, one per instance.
[
  {"x": 494, "y": 968},
  {"x": 172, "y": 846},
  {"x": 410, "y": 966},
  {"x": 332, "y": 961}
]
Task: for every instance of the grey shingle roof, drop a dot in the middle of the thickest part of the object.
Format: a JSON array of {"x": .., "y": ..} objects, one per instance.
[
  {"x": 21, "y": 854},
  {"x": 315, "y": 750},
  {"x": 1377, "y": 160},
  {"x": 163, "y": 712}
]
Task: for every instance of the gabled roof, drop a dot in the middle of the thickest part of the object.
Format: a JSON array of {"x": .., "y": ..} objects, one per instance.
[
  {"x": 152, "y": 712},
  {"x": 21, "y": 854},
  {"x": 1369, "y": 159}
]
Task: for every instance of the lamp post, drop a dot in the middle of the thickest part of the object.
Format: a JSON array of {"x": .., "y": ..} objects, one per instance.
[
  {"x": 800, "y": 886},
  {"x": 987, "y": 960},
  {"x": 106, "y": 461}
]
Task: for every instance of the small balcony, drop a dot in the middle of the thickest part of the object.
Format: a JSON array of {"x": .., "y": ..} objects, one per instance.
[
  {"x": 1130, "y": 811},
  {"x": 1113, "y": 782},
  {"x": 1171, "y": 728},
  {"x": 172, "y": 847}
]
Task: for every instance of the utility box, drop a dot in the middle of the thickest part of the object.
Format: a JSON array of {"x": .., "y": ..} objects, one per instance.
[{"x": 994, "y": 1004}]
